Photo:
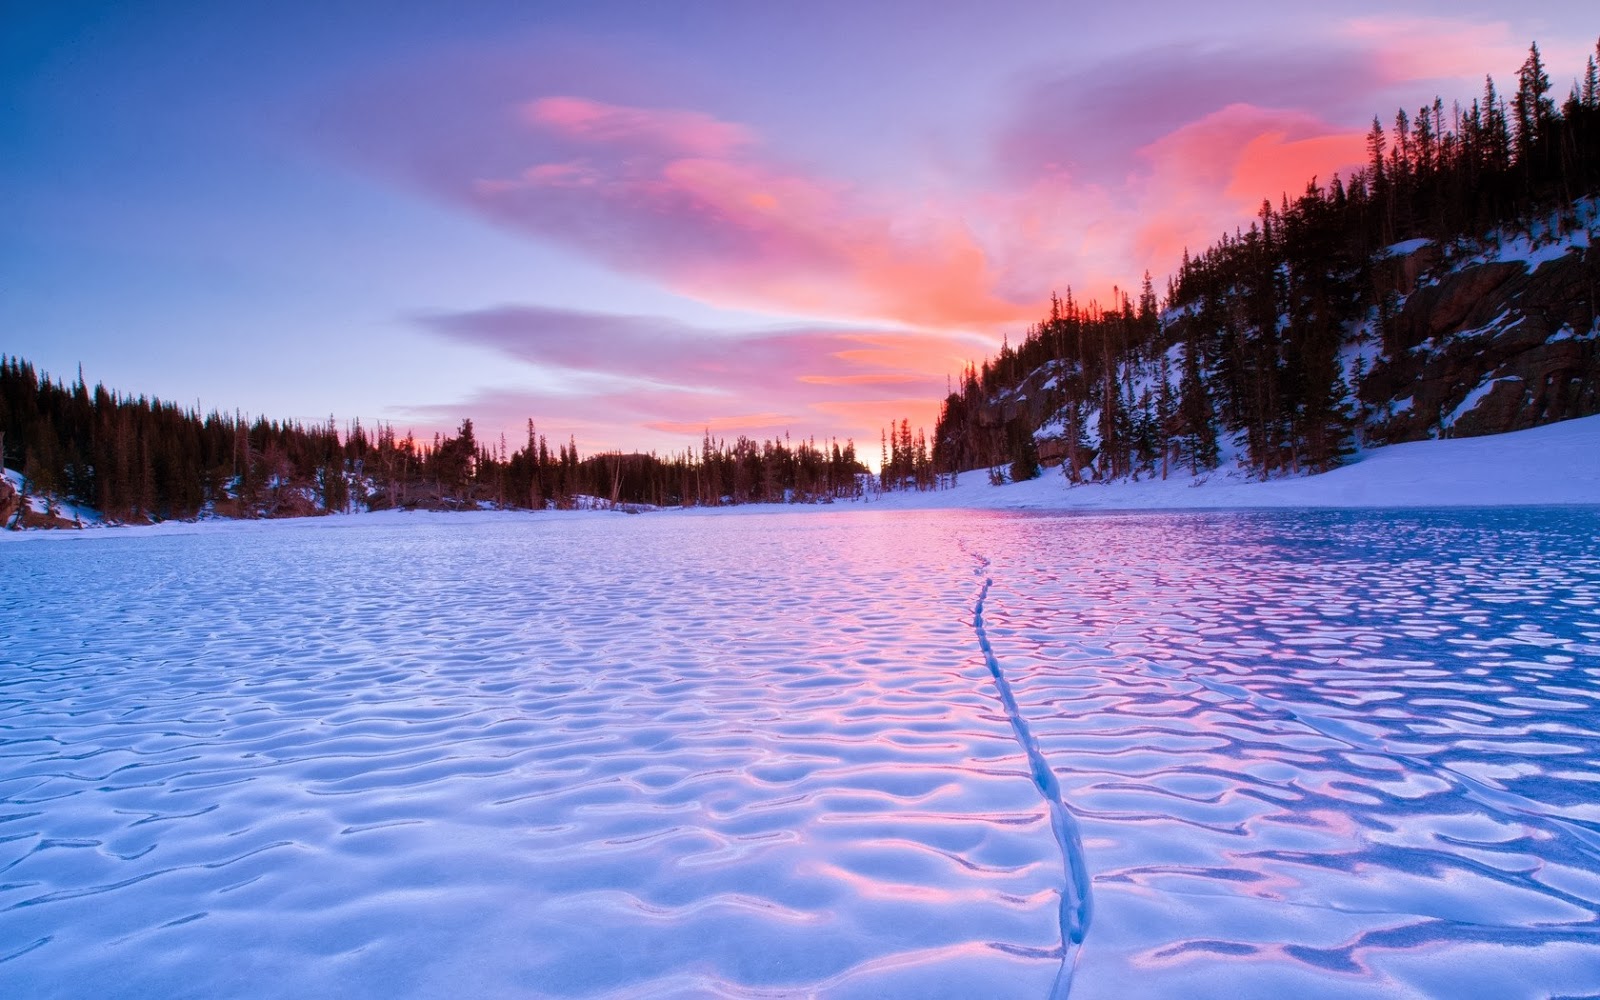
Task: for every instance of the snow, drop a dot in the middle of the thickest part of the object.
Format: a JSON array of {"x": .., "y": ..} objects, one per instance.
[
  {"x": 1567, "y": 333},
  {"x": 1494, "y": 327},
  {"x": 1170, "y": 316},
  {"x": 1055, "y": 428},
  {"x": 834, "y": 753},
  {"x": 1360, "y": 353},
  {"x": 1545, "y": 241},
  {"x": 1405, "y": 248},
  {"x": 1091, "y": 427},
  {"x": 1472, "y": 399},
  {"x": 1554, "y": 464},
  {"x": 1533, "y": 255},
  {"x": 64, "y": 510}
]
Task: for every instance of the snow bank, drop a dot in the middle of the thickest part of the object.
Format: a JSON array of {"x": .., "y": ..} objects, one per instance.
[
  {"x": 86, "y": 516},
  {"x": 1551, "y": 465},
  {"x": 1405, "y": 248},
  {"x": 1555, "y": 464}
]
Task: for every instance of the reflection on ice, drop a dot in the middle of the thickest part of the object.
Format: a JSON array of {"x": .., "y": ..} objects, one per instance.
[
  {"x": 1307, "y": 754},
  {"x": 1335, "y": 754}
]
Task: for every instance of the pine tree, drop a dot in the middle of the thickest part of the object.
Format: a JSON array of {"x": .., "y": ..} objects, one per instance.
[
  {"x": 1532, "y": 107},
  {"x": 1197, "y": 431}
]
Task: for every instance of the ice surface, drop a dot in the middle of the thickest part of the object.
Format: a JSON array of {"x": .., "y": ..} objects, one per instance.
[
  {"x": 563, "y": 756},
  {"x": 1334, "y": 754},
  {"x": 1324, "y": 755}
]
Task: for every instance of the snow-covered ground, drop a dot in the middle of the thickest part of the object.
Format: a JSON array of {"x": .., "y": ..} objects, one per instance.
[
  {"x": 1554, "y": 464},
  {"x": 84, "y": 516},
  {"x": 1557, "y": 464},
  {"x": 848, "y": 754}
]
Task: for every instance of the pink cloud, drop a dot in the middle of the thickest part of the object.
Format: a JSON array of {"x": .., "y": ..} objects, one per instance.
[
  {"x": 671, "y": 353},
  {"x": 1207, "y": 176},
  {"x": 1092, "y": 177},
  {"x": 1111, "y": 169},
  {"x": 746, "y": 424},
  {"x": 686, "y": 198},
  {"x": 1409, "y": 48},
  {"x": 689, "y": 133},
  {"x": 627, "y": 374},
  {"x": 1090, "y": 124}
]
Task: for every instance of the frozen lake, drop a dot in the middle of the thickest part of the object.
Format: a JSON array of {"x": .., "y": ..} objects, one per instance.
[{"x": 755, "y": 755}]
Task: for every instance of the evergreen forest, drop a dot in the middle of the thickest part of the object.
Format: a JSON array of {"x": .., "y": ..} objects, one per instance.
[{"x": 1258, "y": 338}]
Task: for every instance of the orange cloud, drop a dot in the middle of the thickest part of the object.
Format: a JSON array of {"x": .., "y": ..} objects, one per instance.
[
  {"x": 882, "y": 413},
  {"x": 687, "y": 198},
  {"x": 861, "y": 379},
  {"x": 927, "y": 355},
  {"x": 1210, "y": 175},
  {"x": 1272, "y": 162}
]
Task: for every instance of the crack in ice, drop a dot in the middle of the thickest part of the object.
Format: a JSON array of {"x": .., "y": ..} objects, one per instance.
[{"x": 1075, "y": 908}]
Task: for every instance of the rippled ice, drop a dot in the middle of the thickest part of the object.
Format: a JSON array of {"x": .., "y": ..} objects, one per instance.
[{"x": 1311, "y": 755}]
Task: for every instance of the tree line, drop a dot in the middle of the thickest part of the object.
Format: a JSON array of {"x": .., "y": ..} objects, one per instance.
[
  {"x": 1250, "y": 341},
  {"x": 138, "y": 458}
]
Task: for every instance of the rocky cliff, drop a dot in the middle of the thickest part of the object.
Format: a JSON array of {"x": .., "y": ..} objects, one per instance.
[
  {"x": 1487, "y": 345},
  {"x": 1478, "y": 337}
]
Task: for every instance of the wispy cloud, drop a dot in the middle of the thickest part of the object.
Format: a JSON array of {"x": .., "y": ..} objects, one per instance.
[
  {"x": 692, "y": 201},
  {"x": 1089, "y": 177},
  {"x": 631, "y": 372},
  {"x": 680, "y": 133},
  {"x": 1408, "y": 48},
  {"x": 1092, "y": 174}
]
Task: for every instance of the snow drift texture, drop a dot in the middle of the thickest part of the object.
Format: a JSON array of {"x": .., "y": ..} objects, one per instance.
[{"x": 1311, "y": 754}]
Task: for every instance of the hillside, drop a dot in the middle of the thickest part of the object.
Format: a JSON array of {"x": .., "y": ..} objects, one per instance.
[
  {"x": 1552, "y": 465},
  {"x": 1448, "y": 289}
]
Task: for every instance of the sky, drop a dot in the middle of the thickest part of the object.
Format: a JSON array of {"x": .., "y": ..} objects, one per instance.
[{"x": 633, "y": 223}]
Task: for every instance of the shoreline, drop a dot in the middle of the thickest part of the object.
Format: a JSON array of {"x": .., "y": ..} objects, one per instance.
[{"x": 1554, "y": 465}]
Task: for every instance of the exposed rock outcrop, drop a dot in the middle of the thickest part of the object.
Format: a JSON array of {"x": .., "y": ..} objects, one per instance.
[{"x": 1489, "y": 348}]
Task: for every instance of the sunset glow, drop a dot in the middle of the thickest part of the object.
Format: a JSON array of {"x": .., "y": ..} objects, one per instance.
[{"x": 597, "y": 220}]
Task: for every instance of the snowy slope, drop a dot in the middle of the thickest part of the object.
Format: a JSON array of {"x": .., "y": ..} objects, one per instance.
[
  {"x": 64, "y": 510},
  {"x": 1554, "y": 464}
]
